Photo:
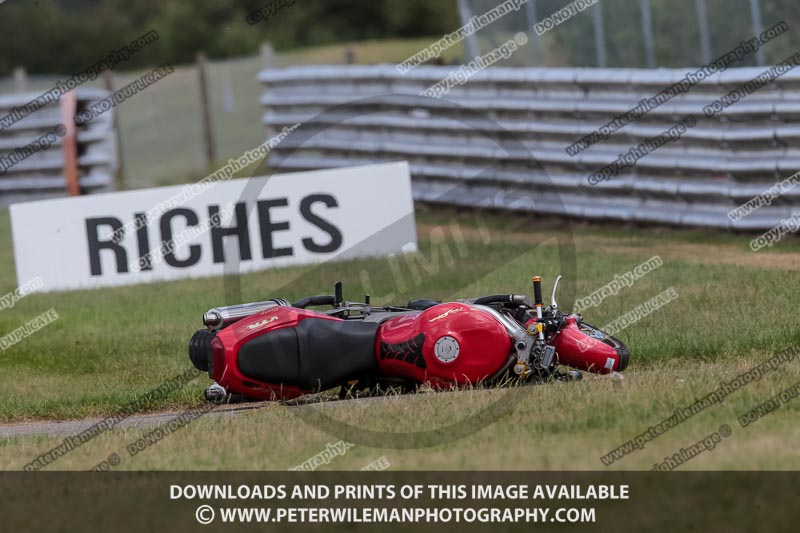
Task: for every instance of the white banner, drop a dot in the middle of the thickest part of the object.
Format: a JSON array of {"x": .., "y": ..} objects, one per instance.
[{"x": 240, "y": 225}]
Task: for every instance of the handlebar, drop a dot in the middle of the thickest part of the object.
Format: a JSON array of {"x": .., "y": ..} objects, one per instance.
[
  {"x": 519, "y": 299},
  {"x": 221, "y": 317},
  {"x": 537, "y": 291},
  {"x": 314, "y": 301}
]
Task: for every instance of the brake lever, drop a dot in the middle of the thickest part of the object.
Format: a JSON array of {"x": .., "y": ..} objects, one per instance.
[{"x": 553, "y": 304}]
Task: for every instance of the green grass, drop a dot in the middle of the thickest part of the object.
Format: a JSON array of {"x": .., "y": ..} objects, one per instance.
[
  {"x": 561, "y": 426},
  {"x": 110, "y": 345},
  {"x": 735, "y": 308}
]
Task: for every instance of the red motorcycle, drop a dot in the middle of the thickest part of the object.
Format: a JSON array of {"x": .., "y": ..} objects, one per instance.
[{"x": 275, "y": 350}]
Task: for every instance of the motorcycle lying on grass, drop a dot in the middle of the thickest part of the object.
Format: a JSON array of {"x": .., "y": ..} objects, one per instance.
[{"x": 274, "y": 350}]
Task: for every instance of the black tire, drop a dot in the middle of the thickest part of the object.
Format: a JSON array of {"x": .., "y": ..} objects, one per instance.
[{"x": 200, "y": 352}]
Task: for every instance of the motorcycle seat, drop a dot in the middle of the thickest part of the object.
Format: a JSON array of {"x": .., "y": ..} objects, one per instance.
[
  {"x": 421, "y": 305},
  {"x": 317, "y": 354}
]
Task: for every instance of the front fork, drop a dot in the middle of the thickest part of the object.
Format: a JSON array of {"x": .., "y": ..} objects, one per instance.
[{"x": 539, "y": 357}]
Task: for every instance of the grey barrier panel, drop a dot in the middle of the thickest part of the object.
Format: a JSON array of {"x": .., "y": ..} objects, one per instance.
[
  {"x": 722, "y": 162},
  {"x": 41, "y": 175}
]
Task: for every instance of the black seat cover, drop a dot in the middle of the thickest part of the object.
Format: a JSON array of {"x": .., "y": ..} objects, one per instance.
[
  {"x": 317, "y": 354},
  {"x": 421, "y": 305}
]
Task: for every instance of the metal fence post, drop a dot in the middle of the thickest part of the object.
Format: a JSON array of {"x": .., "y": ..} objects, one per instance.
[
  {"x": 755, "y": 14},
  {"x": 599, "y": 35},
  {"x": 647, "y": 31},
  {"x": 702, "y": 23},
  {"x": 536, "y": 45},
  {"x": 471, "y": 47}
]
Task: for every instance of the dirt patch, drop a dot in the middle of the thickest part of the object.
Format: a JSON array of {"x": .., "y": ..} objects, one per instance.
[
  {"x": 718, "y": 254},
  {"x": 690, "y": 252},
  {"x": 69, "y": 428}
]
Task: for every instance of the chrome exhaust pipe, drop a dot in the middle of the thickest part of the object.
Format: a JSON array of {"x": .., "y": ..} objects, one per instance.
[{"x": 220, "y": 317}]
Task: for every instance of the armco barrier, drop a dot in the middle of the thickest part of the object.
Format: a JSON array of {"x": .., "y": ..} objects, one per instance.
[
  {"x": 714, "y": 167},
  {"x": 81, "y": 161}
]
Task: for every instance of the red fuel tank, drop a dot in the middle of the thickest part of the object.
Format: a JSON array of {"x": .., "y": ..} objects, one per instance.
[{"x": 446, "y": 343}]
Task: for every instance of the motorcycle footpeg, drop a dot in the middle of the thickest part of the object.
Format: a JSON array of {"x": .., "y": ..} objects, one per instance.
[
  {"x": 216, "y": 394},
  {"x": 521, "y": 369}
]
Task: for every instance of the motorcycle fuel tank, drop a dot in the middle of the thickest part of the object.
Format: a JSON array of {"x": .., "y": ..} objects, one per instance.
[{"x": 446, "y": 343}]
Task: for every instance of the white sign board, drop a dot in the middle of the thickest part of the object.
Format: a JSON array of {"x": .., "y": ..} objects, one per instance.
[{"x": 241, "y": 225}]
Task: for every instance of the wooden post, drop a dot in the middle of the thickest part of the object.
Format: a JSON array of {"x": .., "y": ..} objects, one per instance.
[
  {"x": 267, "y": 54},
  {"x": 208, "y": 131},
  {"x": 350, "y": 55},
  {"x": 20, "y": 80},
  {"x": 119, "y": 174},
  {"x": 69, "y": 143}
]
